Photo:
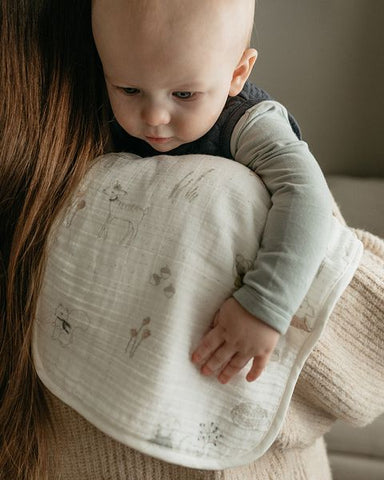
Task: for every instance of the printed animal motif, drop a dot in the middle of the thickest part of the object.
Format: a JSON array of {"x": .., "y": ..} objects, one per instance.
[
  {"x": 130, "y": 214},
  {"x": 302, "y": 323},
  {"x": 161, "y": 439},
  {"x": 305, "y": 317},
  {"x": 166, "y": 432},
  {"x": 241, "y": 267},
  {"x": 281, "y": 350},
  {"x": 66, "y": 322},
  {"x": 77, "y": 203},
  {"x": 249, "y": 416}
]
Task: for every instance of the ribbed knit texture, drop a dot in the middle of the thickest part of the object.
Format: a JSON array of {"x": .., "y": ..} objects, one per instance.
[{"x": 342, "y": 379}]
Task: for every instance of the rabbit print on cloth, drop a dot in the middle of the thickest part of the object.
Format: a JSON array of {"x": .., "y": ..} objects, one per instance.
[{"x": 138, "y": 263}]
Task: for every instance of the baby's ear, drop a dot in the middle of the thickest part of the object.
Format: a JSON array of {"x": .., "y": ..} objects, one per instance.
[{"x": 242, "y": 71}]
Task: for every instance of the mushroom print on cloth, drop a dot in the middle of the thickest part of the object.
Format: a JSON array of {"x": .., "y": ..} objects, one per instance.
[{"x": 138, "y": 264}]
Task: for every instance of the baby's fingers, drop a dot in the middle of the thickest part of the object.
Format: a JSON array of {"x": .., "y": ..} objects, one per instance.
[
  {"x": 218, "y": 359},
  {"x": 258, "y": 366},
  {"x": 208, "y": 344},
  {"x": 233, "y": 367}
]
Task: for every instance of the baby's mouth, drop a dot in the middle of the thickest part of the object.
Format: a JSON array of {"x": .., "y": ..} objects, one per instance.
[{"x": 157, "y": 139}]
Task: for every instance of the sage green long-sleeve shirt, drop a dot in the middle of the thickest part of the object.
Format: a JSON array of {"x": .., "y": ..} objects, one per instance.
[{"x": 296, "y": 233}]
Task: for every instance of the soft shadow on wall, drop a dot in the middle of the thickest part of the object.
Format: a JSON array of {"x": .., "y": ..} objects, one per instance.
[{"x": 324, "y": 60}]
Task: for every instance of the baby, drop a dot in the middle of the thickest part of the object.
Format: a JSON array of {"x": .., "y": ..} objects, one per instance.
[{"x": 176, "y": 73}]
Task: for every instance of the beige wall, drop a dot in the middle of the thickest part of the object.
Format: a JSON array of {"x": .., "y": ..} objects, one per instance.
[{"x": 324, "y": 59}]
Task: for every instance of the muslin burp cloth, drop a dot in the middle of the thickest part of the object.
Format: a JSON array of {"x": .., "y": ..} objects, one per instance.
[{"x": 143, "y": 256}]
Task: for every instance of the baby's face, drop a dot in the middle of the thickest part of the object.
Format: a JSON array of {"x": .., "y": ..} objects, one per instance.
[{"x": 167, "y": 79}]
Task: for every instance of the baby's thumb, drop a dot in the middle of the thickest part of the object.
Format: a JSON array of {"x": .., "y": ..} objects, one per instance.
[
  {"x": 258, "y": 366},
  {"x": 215, "y": 319}
]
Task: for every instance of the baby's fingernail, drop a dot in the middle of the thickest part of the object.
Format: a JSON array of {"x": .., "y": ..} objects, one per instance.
[
  {"x": 223, "y": 379},
  {"x": 206, "y": 370},
  {"x": 196, "y": 358}
]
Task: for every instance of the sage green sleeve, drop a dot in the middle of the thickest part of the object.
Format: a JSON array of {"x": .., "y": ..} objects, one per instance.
[{"x": 295, "y": 238}]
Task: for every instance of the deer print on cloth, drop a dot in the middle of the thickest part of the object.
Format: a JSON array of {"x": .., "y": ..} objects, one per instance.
[{"x": 130, "y": 214}]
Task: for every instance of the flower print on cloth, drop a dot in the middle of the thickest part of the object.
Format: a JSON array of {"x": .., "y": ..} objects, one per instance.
[
  {"x": 209, "y": 434},
  {"x": 207, "y": 441},
  {"x": 188, "y": 187},
  {"x": 137, "y": 337},
  {"x": 130, "y": 288}
]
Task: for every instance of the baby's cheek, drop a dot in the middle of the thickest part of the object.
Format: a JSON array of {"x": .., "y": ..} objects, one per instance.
[
  {"x": 123, "y": 113},
  {"x": 195, "y": 127},
  {"x": 188, "y": 131},
  {"x": 125, "y": 119}
]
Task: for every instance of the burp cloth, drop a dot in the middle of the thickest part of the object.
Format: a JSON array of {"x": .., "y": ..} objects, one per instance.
[{"x": 139, "y": 262}]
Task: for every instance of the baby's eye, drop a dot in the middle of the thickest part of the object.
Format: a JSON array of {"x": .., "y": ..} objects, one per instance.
[
  {"x": 183, "y": 95},
  {"x": 130, "y": 90}
]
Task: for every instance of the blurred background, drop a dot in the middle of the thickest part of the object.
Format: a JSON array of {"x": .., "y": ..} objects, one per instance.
[{"x": 324, "y": 60}]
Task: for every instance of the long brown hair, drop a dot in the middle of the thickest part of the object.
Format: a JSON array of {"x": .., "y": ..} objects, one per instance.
[{"x": 51, "y": 127}]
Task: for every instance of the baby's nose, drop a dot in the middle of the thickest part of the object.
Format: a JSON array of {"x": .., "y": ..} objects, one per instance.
[{"x": 155, "y": 114}]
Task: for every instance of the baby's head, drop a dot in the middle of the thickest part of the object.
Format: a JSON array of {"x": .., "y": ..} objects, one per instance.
[{"x": 170, "y": 65}]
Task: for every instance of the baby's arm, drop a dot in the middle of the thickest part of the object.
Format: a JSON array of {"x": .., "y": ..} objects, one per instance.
[
  {"x": 295, "y": 236},
  {"x": 296, "y": 232}
]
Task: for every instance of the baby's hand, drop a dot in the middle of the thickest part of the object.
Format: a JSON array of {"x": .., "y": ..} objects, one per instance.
[{"x": 236, "y": 337}]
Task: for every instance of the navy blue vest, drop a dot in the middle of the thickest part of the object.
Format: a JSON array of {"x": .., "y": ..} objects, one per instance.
[{"x": 215, "y": 142}]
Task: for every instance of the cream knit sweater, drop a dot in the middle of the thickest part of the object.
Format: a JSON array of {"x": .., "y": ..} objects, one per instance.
[{"x": 342, "y": 379}]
